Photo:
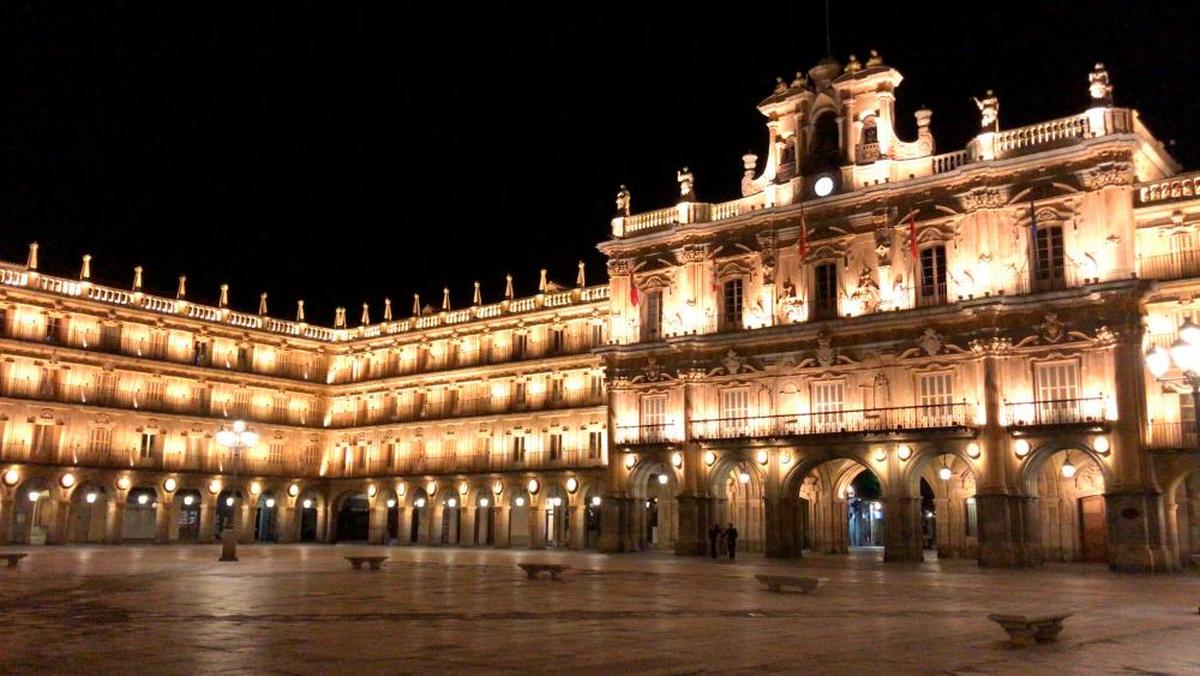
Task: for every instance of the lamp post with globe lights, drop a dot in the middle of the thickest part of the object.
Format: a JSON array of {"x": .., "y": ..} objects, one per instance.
[
  {"x": 235, "y": 440},
  {"x": 1184, "y": 355}
]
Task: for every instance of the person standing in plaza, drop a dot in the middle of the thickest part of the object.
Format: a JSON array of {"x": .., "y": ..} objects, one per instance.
[
  {"x": 731, "y": 536},
  {"x": 714, "y": 534}
]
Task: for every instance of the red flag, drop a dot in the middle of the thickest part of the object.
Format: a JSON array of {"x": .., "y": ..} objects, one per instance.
[
  {"x": 912, "y": 233},
  {"x": 633, "y": 291}
]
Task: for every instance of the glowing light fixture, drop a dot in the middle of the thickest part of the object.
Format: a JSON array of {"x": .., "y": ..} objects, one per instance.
[
  {"x": 630, "y": 461},
  {"x": 520, "y": 502},
  {"x": 293, "y": 490},
  {"x": 90, "y": 497},
  {"x": 307, "y": 504},
  {"x": 229, "y": 501},
  {"x": 1158, "y": 360},
  {"x": 1021, "y": 448},
  {"x": 595, "y": 500},
  {"x": 420, "y": 502},
  {"x": 483, "y": 502},
  {"x": 662, "y": 479},
  {"x": 124, "y": 483},
  {"x": 391, "y": 503},
  {"x": 12, "y": 476},
  {"x": 188, "y": 500},
  {"x": 744, "y": 477},
  {"x": 270, "y": 503},
  {"x": 452, "y": 502},
  {"x": 710, "y": 458},
  {"x": 255, "y": 488},
  {"x": 533, "y": 486},
  {"x": 170, "y": 485},
  {"x": 143, "y": 499},
  {"x": 33, "y": 496},
  {"x": 1101, "y": 445},
  {"x": 677, "y": 460},
  {"x": 1068, "y": 468},
  {"x": 904, "y": 452},
  {"x": 214, "y": 486},
  {"x": 67, "y": 480},
  {"x": 761, "y": 457},
  {"x": 572, "y": 485},
  {"x": 973, "y": 450}
]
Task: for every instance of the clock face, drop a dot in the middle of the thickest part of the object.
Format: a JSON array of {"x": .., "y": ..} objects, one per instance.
[{"x": 823, "y": 187}]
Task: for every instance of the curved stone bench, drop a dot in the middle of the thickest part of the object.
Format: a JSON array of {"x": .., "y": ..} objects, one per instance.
[
  {"x": 13, "y": 558},
  {"x": 374, "y": 561},
  {"x": 532, "y": 569},
  {"x": 1026, "y": 630}
]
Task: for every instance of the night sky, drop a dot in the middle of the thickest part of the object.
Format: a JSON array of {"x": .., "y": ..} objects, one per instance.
[{"x": 343, "y": 153}]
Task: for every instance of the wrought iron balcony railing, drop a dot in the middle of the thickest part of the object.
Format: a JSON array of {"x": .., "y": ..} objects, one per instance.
[
  {"x": 1055, "y": 412},
  {"x": 1173, "y": 436},
  {"x": 845, "y": 421},
  {"x": 1174, "y": 265}
]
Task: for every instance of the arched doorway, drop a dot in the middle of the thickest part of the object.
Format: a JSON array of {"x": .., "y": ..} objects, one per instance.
[
  {"x": 33, "y": 513},
  {"x": 742, "y": 489},
  {"x": 391, "y": 505},
  {"x": 1072, "y": 521},
  {"x": 227, "y": 502},
  {"x": 656, "y": 520},
  {"x": 947, "y": 487},
  {"x": 451, "y": 518},
  {"x": 89, "y": 510},
  {"x": 556, "y": 517},
  {"x": 839, "y": 506},
  {"x": 485, "y": 518},
  {"x": 420, "y": 501},
  {"x": 189, "y": 515},
  {"x": 518, "y": 518},
  {"x": 264, "y": 517},
  {"x": 308, "y": 517},
  {"x": 353, "y": 522},
  {"x": 591, "y": 514},
  {"x": 141, "y": 515},
  {"x": 1183, "y": 503}
]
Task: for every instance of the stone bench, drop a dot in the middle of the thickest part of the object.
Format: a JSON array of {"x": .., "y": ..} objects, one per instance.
[
  {"x": 777, "y": 583},
  {"x": 13, "y": 558},
  {"x": 532, "y": 569},
  {"x": 374, "y": 561},
  {"x": 1026, "y": 630}
]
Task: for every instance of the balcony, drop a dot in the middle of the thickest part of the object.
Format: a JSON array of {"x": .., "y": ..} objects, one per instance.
[
  {"x": 1174, "y": 265},
  {"x": 1080, "y": 411},
  {"x": 655, "y": 433},
  {"x": 890, "y": 420},
  {"x": 1173, "y": 436}
]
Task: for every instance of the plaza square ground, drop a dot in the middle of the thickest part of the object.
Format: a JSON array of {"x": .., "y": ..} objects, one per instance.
[{"x": 301, "y": 608}]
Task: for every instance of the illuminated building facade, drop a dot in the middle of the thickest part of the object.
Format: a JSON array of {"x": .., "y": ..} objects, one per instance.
[{"x": 876, "y": 345}]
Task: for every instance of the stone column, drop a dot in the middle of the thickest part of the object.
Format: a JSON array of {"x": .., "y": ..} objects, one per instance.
[
  {"x": 244, "y": 512},
  {"x": 403, "y": 526},
  {"x": 577, "y": 537},
  {"x": 377, "y": 521},
  {"x": 56, "y": 533},
  {"x": 500, "y": 522},
  {"x": 691, "y": 540},
  {"x": 902, "y": 534},
  {"x": 780, "y": 531},
  {"x": 612, "y": 524},
  {"x": 162, "y": 521},
  {"x": 7, "y": 511},
  {"x": 114, "y": 520},
  {"x": 173, "y": 512},
  {"x": 286, "y": 528},
  {"x": 206, "y": 520},
  {"x": 537, "y": 526},
  {"x": 432, "y": 535}
]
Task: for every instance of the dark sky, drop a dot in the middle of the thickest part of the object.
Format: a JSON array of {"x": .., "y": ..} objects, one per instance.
[{"x": 341, "y": 153}]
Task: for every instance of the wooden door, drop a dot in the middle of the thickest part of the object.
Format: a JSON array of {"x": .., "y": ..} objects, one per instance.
[{"x": 1093, "y": 531}]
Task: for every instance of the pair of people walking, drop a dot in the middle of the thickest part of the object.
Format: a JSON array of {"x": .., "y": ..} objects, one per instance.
[{"x": 725, "y": 539}]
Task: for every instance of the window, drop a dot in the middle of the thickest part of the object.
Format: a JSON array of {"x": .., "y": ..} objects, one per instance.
[
  {"x": 972, "y": 518},
  {"x": 595, "y": 386},
  {"x": 1187, "y": 420},
  {"x": 870, "y": 133},
  {"x": 936, "y": 398},
  {"x": 595, "y": 444},
  {"x": 312, "y": 455},
  {"x": 558, "y": 341},
  {"x": 451, "y": 401},
  {"x": 556, "y": 390},
  {"x": 241, "y": 403},
  {"x": 275, "y": 453},
  {"x": 451, "y": 353},
  {"x": 1048, "y": 259},
  {"x": 654, "y": 417},
  {"x": 652, "y": 316},
  {"x": 154, "y": 393},
  {"x": 556, "y": 445},
  {"x": 1057, "y": 392},
  {"x": 483, "y": 444},
  {"x": 419, "y": 404},
  {"x": 146, "y": 448},
  {"x": 731, "y": 305},
  {"x": 933, "y": 276},
  {"x": 828, "y": 399},
  {"x": 100, "y": 441},
  {"x": 597, "y": 334},
  {"x": 825, "y": 299},
  {"x": 53, "y": 329},
  {"x": 519, "y": 393},
  {"x": 520, "y": 345},
  {"x": 735, "y": 411},
  {"x": 360, "y": 456},
  {"x": 518, "y": 448},
  {"x": 392, "y": 456},
  {"x": 200, "y": 354}
]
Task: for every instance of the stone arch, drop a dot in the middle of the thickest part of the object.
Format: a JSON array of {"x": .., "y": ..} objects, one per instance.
[
  {"x": 737, "y": 481},
  {"x": 265, "y": 516},
  {"x": 1069, "y": 508},
  {"x": 591, "y": 493},
  {"x": 142, "y": 513},
  {"x": 418, "y": 520},
  {"x": 311, "y": 516},
  {"x": 828, "y": 516},
  {"x": 556, "y": 515},
  {"x": 655, "y": 518},
  {"x": 519, "y": 514},
  {"x": 1181, "y": 505},
  {"x": 89, "y": 517},
  {"x": 32, "y": 520},
  {"x": 350, "y": 515},
  {"x": 949, "y": 513}
]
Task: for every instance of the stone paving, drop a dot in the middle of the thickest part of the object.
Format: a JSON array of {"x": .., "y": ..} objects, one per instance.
[{"x": 300, "y": 608}]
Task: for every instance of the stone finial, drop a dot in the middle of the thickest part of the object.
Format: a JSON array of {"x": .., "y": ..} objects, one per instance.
[
  {"x": 137, "y": 278},
  {"x": 31, "y": 262},
  {"x": 85, "y": 272},
  {"x": 1099, "y": 87},
  {"x": 387, "y": 309},
  {"x": 262, "y": 304},
  {"x": 542, "y": 281},
  {"x": 508, "y": 289},
  {"x": 300, "y": 312},
  {"x": 780, "y": 86},
  {"x": 800, "y": 81},
  {"x": 339, "y": 318},
  {"x": 224, "y": 300},
  {"x": 623, "y": 201},
  {"x": 874, "y": 60},
  {"x": 580, "y": 279},
  {"x": 749, "y": 164},
  {"x": 445, "y": 299},
  {"x": 852, "y": 64},
  {"x": 416, "y": 305},
  {"x": 477, "y": 298},
  {"x": 366, "y": 316},
  {"x": 181, "y": 291}
]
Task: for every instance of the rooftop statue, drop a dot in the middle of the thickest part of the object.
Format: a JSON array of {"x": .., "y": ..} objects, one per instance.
[
  {"x": 989, "y": 112},
  {"x": 853, "y": 66},
  {"x": 1099, "y": 86},
  {"x": 780, "y": 86},
  {"x": 686, "y": 185},
  {"x": 874, "y": 60},
  {"x": 623, "y": 201}
]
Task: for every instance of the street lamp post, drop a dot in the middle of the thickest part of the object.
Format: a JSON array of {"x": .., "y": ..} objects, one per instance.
[
  {"x": 1184, "y": 354},
  {"x": 235, "y": 440}
]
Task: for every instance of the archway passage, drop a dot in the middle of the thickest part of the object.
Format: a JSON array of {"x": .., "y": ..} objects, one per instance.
[
  {"x": 742, "y": 509},
  {"x": 1072, "y": 520},
  {"x": 655, "y": 512},
  {"x": 189, "y": 515},
  {"x": 265, "y": 517},
  {"x": 591, "y": 516},
  {"x": 354, "y": 518},
  {"x": 839, "y": 506},
  {"x": 485, "y": 519},
  {"x": 451, "y": 519},
  {"x": 417, "y": 529},
  {"x": 308, "y": 522},
  {"x": 518, "y": 519},
  {"x": 141, "y": 514},
  {"x": 89, "y": 509},
  {"x": 556, "y": 517},
  {"x": 951, "y": 521},
  {"x": 32, "y": 514},
  {"x": 1184, "y": 504}
]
